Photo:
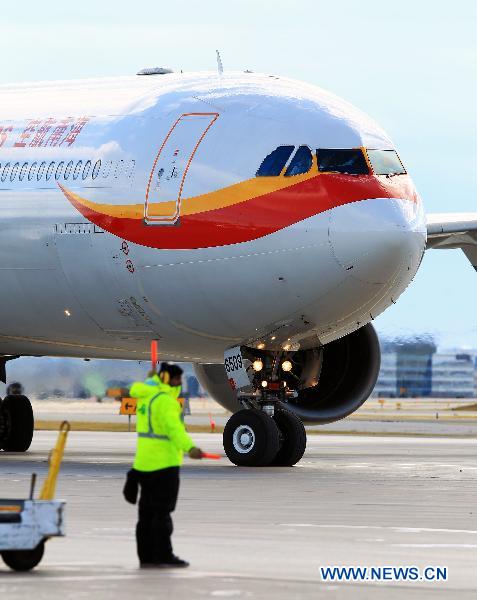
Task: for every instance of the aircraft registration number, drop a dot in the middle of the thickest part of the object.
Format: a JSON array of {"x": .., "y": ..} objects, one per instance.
[{"x": 234, "y": 367}]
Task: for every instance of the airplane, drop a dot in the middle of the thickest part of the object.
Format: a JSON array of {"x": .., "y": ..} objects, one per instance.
[{"x": 252, "y": 224}]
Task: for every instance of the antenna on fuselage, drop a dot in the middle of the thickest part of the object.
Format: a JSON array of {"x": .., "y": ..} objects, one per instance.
[{"x": 220, "y": 66}]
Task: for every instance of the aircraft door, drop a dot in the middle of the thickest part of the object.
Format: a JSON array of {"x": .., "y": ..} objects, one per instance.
[{"x": 169, "y": 171}]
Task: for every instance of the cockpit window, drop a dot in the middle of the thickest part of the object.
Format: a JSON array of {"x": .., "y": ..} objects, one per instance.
[
  {"x": 385, "y": 162},
  {"x": 272, "y": 165},
  {"x": 351, "y": 162},
  {"x": 300, "y": 163}
]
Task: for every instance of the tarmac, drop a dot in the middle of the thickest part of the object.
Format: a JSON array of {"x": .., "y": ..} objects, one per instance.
[
  {"x": 261, "y": 533},
  {"x": 428, "y": 416}
]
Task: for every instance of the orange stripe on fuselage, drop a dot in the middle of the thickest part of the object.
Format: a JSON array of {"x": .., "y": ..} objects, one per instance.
[{"x": 244, "y": 212}]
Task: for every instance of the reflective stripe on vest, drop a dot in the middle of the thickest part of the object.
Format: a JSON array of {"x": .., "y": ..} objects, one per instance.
[
  {"x": 153, "y": 436},
  {"x": 150, "y": 434}
]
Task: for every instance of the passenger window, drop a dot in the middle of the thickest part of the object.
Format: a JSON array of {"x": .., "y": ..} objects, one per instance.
[
  {"x": 272, "y": 165},
  {"x": 76, "y": 172},
  {"x": 350, "y": 162},
  {"x": 23, "y": 171},
  {"x": 119, "y": 168},
  {"x": 6, "y": 168},
  {"x": 31, "y": 172},
  {"x": 40, "y": 171},
  {"x": 49, "y": 172},
  {"x": 59, "y": 170},
  {"x": 96, "y": 169},
  {"x": 132, "y": 166},
  {"x": 14, "y": 171},
  {"x": 86, "y": 169},
  {"x": 68, "y": 169},
  {"x": 301, "y": 162},
  {"x": 106, "y": 170},
  {"x": 385, "y": 162}
]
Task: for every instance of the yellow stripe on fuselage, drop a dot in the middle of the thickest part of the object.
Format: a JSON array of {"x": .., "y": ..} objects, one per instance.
[{"x": 228, "y": 196}]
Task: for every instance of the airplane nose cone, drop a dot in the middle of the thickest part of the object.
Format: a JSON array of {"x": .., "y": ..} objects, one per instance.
[{"x": 375, "y": 240}]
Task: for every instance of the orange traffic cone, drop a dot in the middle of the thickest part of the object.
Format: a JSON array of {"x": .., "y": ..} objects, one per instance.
[{"x": 212, "y": 424}]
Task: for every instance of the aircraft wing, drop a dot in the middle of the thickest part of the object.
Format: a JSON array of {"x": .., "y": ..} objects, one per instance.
[{"x": 453, "y": 230}]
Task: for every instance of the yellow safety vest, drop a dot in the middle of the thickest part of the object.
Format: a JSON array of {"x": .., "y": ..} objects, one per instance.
[{"x": 161, "y": 435}]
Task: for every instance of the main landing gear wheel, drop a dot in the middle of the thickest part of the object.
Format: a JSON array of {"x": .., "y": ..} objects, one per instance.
[
  {"x": 251, "y": 438},
  {"x": 16, "y": 423},
  {"x": 293, "y": 438},
  {"x": 23, "y": 560}
]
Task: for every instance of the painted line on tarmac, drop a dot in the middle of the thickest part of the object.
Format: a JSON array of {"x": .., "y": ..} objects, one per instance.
[
  {"x": 42, "y": 576},
  {"x": 382, "y": 527},
  {"x": 139, "y": 574},
  {"x": 435, "y": 545}
]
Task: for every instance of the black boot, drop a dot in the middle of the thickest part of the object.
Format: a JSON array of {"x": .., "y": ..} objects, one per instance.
[{"x": 172, "y": 562}]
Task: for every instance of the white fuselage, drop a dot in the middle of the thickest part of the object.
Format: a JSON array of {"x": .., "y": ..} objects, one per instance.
[{"x": 130, "y": 210}]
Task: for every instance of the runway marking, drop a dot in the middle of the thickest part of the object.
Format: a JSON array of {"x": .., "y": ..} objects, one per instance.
[
  {"x": 422, "y": 466},
  {"x": 53, "y": 576},
  {"x": 118, "y": 574},
  {"x": 382, "y": 527},
  {"x": 435, "y": 545},
  {"x": 123, "y": 529}
]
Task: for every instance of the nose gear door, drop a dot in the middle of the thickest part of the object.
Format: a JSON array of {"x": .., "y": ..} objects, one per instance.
[{"x": 169, "y": 171}]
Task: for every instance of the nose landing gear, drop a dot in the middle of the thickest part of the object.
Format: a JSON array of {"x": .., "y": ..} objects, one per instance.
[{"x": 265, "y": 432}]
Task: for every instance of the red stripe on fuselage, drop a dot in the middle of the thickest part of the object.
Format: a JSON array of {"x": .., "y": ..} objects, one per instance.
[{"x": 257, "y": 217}]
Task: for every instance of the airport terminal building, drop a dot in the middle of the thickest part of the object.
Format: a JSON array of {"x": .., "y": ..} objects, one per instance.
[{"x": 415, "y": 369}]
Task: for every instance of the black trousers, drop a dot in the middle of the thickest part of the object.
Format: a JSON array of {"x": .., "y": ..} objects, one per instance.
[{"x": 159, "y": 491}]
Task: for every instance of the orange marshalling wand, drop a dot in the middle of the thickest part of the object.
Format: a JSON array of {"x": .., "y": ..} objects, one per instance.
[
  {"x": 154, "y": 354},
  {"x": 211, "y": 456}
]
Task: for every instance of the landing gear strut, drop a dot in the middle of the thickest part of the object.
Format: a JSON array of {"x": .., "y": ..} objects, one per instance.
[{"x": 16, "y": 423}]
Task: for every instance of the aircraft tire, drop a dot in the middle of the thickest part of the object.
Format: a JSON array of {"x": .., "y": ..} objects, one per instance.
[
  {"x": 18, "y": 416},
  {"x": 293, "y": 438},
  {"x": 24, "y": 560},
  {"x": 251, "y": 438}
]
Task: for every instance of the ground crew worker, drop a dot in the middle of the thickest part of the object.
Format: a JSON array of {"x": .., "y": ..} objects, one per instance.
[{"x": 161, "y": 442}]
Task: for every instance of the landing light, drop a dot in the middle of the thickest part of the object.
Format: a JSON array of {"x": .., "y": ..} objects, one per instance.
[
  {"x": 289, "y": 346},
  {"x": 67, "y": 312},
  {"x": 287, "y": 366},
  {"x": 257, "y": 365}
]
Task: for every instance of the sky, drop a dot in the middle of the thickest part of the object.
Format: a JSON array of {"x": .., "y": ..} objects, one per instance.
[{"x": 411, "y": 65}]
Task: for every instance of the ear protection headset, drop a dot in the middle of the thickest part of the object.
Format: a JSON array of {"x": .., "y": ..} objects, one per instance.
[
  {"x": 164, "y": 377},
  {"x": 168, "y": 372}
]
